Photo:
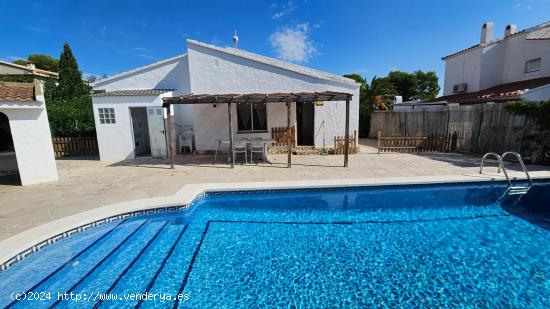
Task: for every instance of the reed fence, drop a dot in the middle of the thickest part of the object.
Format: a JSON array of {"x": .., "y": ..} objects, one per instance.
[{"x": 479, "y": 128}]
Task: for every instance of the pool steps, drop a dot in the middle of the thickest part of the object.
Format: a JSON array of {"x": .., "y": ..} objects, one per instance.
[{"x": 511, "y": 190}]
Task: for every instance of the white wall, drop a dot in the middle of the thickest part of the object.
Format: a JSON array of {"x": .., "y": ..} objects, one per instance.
[
  {"x": 538, "y": 94},
  {"x": 116, "y": 141},
  {"x": 464, "y": 68},
  {"x": 213, "y": 71},
  {"x": 518, "y": 51},
  {"x": 32, "y": 141},
  {"x": 497, "y": 63},
  {"x": 172, "y": 74}
]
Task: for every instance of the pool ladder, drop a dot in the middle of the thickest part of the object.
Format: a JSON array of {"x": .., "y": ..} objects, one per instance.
[{"x": 511, "y": 190}]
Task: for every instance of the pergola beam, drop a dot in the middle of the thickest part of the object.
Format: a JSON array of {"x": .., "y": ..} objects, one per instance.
[
  {"x": 346, "y": 139},
  {"x": 230, "y": 121},
  {"x": 288, "y": 137},
  {"x": 171, "y": 148}
]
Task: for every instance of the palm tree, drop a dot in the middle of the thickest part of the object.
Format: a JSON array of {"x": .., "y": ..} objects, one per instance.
[{"x": 379, "y": 94}]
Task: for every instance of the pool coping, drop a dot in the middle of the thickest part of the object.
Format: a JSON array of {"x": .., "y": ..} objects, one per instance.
[{"x": 20, "y": 246}]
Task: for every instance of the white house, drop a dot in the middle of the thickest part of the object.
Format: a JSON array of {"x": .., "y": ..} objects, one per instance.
[
  {"x": 129, "y": 117},
  {"x": 25, "y": 140},
  {"x": 500, "y": 69}
]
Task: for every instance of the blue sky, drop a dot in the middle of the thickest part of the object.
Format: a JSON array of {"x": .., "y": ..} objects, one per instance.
[{"x": 366, "y": 37}]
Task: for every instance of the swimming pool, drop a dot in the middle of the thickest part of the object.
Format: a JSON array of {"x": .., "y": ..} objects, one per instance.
[{"x": 418, "y": 245}]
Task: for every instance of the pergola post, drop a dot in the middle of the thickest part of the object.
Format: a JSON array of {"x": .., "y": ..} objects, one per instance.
[
  {"x": 346, "y": 140},
  {"x": 289, "y": 138},
  {"x": 171, "y": 148},
  {"x": 230, "y": 149}
]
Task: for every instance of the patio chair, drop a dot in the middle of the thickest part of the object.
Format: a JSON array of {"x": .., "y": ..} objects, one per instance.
[
  {"x": 220, "y": 148},
  {"x": 186, "y": 141},
  {"x": 257, "y": 147},
  {"x": 240, "y": 147}
]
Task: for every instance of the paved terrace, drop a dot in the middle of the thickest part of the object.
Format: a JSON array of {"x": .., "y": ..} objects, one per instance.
[{"x": 85, "y": 184}]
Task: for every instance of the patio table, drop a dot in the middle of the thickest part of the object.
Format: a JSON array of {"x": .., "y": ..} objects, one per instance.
[{"x": 249, "y": 141}]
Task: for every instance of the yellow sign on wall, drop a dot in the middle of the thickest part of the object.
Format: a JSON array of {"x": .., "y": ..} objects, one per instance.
[{"x": 319, "y": 103}]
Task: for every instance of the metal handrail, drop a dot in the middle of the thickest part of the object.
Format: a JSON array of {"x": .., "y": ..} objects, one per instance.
[
  {"x": 500, "y": 166},
  {"x": 520, "y": 160}
]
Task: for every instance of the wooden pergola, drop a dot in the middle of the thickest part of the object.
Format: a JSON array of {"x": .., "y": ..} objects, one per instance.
[{"x": 286, "y": 98}]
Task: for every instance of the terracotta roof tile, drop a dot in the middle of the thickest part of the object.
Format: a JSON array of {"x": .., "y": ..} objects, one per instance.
[
  {"x": 16, "y": 92},
  {"x": 131, "y": 93},
  {"x": 503, "y": 92}
]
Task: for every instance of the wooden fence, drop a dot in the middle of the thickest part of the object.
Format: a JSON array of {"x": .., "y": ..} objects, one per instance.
[
  {"x": 279, "y": 134},
  {"x": 418, "y": 143},
  {"x": 340, "y": 144},
  {"x": 74, "y": 146},
  {"x": 479, "y": 128}
]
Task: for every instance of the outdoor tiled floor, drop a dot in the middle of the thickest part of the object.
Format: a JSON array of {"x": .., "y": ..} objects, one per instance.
[{"x": 85, "y": 184}]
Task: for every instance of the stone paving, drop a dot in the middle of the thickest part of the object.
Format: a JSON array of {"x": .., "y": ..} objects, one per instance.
[{"x": 88, "y": 183}]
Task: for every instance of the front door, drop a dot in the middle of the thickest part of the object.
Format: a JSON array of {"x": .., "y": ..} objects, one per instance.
[
  {"x": 157, "y": 132},
  {"x": 305, "y": 123},
  {"x": 141, "y": 131}
]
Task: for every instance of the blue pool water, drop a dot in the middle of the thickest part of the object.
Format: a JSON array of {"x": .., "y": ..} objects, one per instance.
[{"x": 454, "y": 245}]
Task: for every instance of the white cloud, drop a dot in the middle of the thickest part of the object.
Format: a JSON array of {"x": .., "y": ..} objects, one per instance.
[
  {"x": 36, "y": 29},
  {"x": 143, "y": 53},
  {"x": 282, "y": 10},
  {"x": 293, "y": 43}
]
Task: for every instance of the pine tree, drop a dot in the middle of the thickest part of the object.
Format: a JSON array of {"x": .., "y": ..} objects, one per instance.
[{"x": 70, "y": 78}]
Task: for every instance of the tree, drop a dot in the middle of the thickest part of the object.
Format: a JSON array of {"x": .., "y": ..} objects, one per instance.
[
  {"x": 418, "y": 85},
  {"x": 41, "y": 61},
  {"x": 70, "y": 78},
  {"x": 21, "y": 62},
  {"x": 379, "y": 91},
  {"x": 69, "y": 104},
  {"x": 405, "y": 84},
  {"x": 427, "y": 85}
]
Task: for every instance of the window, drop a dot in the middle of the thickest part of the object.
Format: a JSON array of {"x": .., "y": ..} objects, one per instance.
[
  {"x": 106, "y": 115},
  {"x": 252, "y": 117},
  {"x": 532, "y": 65}
]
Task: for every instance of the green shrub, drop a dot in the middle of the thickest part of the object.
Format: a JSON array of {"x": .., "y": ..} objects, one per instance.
[
  {"x": 71, "y": 118},
  {"x": 539, "y": 111}
]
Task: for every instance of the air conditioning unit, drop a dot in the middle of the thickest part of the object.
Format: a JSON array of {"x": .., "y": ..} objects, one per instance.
[{"x": 460, "y": 88}]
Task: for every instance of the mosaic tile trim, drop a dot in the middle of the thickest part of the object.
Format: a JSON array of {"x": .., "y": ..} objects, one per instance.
[
  {"x": 346, "y": 188},
  {"x": 43, "y": 244}
]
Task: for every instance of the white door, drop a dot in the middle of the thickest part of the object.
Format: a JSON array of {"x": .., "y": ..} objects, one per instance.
[{"x": 157, "y": 132}]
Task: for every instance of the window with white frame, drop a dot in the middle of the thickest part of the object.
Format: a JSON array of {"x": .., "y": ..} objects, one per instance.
[
  {"x": 251, "y": 117},
  {"x": 106, "y": 115},
  {"x": 532, "y": 65}
]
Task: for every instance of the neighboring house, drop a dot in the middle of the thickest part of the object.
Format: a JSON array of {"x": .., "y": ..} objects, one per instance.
[
  {"x": 25, "y": 140},
  {"x": 129, "y": 117},
  {"x": 497, "y": 70},
  {"x": 8, "y": 68}
]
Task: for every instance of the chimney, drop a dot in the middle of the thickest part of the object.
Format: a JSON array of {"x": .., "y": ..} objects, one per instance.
[
  {"x": 510, "y": 29},
  {"x": 30, "y": 65},
  {"x": 486, "y": 33}
]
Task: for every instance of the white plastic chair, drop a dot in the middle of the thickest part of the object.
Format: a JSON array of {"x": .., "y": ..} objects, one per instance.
[
  {"x": 240, "y": 147},
  {"x": 257, "y": 147},
  {"x": 186, "y": 141},
  {"x": 220, "y": 149}
]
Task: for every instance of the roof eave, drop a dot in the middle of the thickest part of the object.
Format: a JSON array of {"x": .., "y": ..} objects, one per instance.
[{"x": 136, "y": 70}]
